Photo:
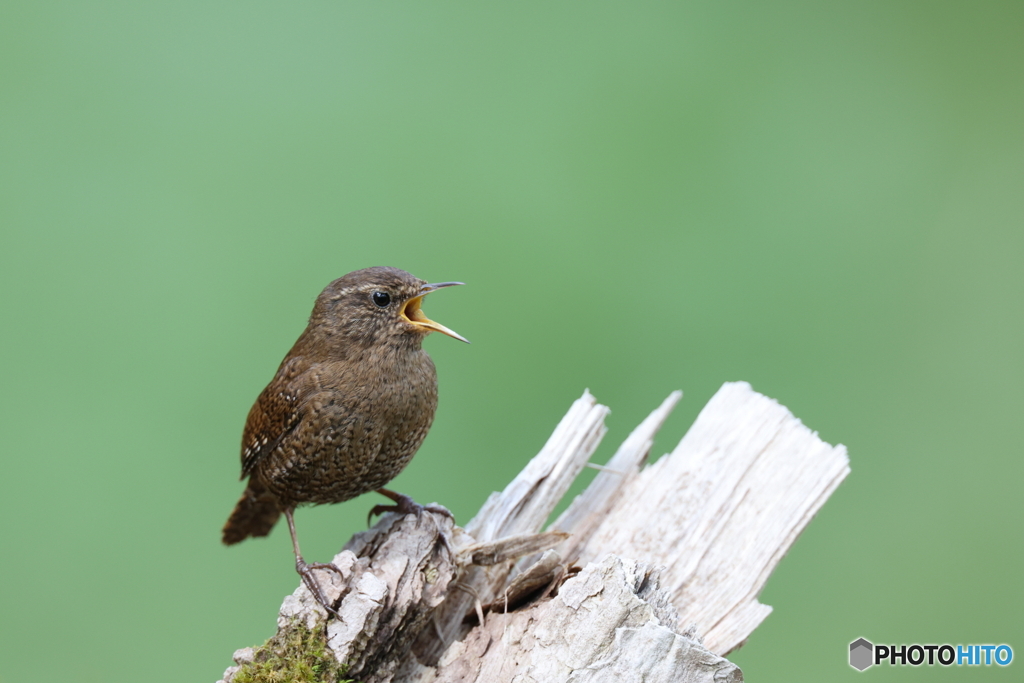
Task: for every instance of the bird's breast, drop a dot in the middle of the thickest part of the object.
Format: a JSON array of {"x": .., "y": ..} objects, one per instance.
[{"x": 361, "y": 426}]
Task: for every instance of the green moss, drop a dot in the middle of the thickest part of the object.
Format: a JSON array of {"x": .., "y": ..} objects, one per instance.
[{"x": 294, "y": 655}]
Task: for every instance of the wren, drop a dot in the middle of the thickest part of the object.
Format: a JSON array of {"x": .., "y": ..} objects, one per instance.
[{"x": 348, "y": 408}]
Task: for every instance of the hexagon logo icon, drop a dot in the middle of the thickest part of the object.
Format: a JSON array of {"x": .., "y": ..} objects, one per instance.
[{"x": 861, "y": 654}]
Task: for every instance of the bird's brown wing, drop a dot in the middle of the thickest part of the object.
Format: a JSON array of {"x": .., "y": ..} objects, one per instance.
[{"x": 275, "y": 414}]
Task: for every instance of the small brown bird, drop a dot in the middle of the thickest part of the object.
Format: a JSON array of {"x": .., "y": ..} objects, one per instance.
[{"x": 347, "y": 409}]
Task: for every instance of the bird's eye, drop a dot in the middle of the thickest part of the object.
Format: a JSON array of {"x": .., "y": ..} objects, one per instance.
[{"x": 382, "y": 299}]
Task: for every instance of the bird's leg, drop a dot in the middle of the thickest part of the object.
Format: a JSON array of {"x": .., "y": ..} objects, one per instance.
[
  {"x": 405, "y": 505},
  {"x": 306, "y": 570}
]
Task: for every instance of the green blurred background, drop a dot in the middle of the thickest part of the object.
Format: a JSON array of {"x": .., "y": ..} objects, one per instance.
[{"x": 825, "y": 199}]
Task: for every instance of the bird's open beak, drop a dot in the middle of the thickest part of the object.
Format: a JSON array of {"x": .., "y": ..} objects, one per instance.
[{"x": 414, "y": 314}]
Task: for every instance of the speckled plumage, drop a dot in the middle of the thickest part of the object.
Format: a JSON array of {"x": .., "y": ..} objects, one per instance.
[{"x": 349, "y": 406}]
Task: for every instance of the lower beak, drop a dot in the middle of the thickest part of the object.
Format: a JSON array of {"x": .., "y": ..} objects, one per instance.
[{"x": 414, "y": 314}]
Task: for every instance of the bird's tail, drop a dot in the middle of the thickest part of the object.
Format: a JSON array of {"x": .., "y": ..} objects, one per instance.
[{"x": 254, "y": 515}]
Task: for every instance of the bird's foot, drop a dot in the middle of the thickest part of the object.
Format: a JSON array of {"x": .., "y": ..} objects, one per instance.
[
  {"x": 405, "y": 505},
  {"x": 306, "y": 572}
]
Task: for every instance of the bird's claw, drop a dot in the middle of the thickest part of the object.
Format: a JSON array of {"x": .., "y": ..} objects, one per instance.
[
  {"x": 405, "y": 505},
  {"x": 306, "y": 572},
  {"x": 379, "y": 510}
]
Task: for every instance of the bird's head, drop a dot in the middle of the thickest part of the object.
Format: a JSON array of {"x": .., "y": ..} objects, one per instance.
[{"x": 375, "y": 306}]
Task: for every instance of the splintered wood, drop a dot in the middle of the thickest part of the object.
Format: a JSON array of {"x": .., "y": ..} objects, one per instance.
[
  {"x": 651, "y": 573},
  {"x": 722, "y": 510}
]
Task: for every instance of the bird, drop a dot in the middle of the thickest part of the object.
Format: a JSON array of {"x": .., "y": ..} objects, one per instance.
[{"x": 346, "y": 411}]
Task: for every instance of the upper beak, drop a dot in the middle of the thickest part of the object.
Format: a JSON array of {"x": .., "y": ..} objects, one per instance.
[{"x": 414, "y": 314}]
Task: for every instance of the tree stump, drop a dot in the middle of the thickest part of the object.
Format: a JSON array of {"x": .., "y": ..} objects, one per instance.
[{"x": 651, "y": 573}]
